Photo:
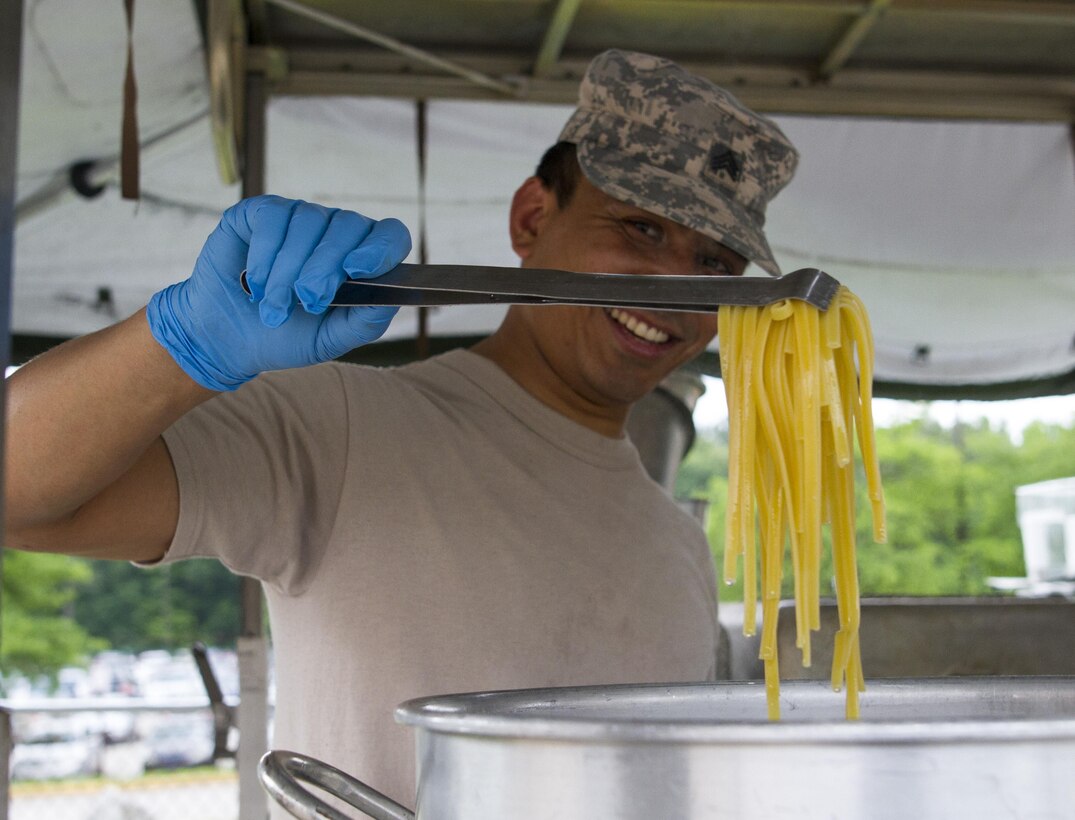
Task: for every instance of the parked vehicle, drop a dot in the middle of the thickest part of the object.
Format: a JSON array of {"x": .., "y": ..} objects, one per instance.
[
  {"x": 59, "y": 754},
  {"x": 185, "y": 740}
]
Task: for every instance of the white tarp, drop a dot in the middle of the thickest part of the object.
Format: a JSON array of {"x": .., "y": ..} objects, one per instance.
[{"x": 959, "y": 236}]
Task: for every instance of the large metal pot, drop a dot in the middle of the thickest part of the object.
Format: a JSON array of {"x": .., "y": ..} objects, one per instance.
[{"x": 979, "y": 748}]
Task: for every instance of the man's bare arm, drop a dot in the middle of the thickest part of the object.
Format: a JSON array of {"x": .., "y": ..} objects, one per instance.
[{"x": 86, "y": 470}]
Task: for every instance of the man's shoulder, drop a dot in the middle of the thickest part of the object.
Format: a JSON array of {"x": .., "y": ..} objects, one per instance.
[
  {"x": 351, "y": 383},
  {"x": 445, "y": 377},
  {"x": 455, "y": 371}
]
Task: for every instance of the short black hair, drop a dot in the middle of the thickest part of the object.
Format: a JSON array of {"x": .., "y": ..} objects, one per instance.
[{"x": 559, "y": 171}]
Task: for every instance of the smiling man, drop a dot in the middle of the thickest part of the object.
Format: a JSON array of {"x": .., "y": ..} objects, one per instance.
[
  {"x": 474, "y": 521},
  {"x": 657, "y": 172}
]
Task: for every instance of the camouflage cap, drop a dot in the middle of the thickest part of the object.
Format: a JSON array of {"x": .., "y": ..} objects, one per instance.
[{"x": 658, "y": 137}]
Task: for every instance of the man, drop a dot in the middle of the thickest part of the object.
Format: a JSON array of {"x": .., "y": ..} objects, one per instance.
[{"x": 476, "y": 521}]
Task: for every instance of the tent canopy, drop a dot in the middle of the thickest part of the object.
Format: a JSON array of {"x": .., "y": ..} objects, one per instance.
[{"x": 937, "y": 176}]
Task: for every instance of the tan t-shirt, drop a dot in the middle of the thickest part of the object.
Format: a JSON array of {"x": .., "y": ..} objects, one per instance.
[{"x": 433, "y": 529}]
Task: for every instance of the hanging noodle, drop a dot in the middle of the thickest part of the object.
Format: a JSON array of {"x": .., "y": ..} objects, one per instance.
[{"x": 795, "y": 406}]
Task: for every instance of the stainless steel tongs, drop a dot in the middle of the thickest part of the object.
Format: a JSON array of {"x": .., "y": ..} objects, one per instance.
[{"x": 410, "y": 284}]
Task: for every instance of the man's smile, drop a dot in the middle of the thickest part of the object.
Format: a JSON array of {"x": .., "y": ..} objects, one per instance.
[
  {"x": 639, "y": 334},
  {"x": 639, "y": 327}
]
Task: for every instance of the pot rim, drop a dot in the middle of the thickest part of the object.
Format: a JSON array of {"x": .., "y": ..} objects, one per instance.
[{"x": 1036, "y": 709}]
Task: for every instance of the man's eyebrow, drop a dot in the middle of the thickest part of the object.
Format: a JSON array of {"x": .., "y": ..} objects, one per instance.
[
  {"x": 714, "y": 248},
  {"x": 620, "y": 208}
]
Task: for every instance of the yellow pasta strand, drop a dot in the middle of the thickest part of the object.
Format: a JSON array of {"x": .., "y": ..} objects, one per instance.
[
  {"x": 772, "y": 687},
  {"x": 729, "y": 337},
  {"x": 799, "y": 388}
]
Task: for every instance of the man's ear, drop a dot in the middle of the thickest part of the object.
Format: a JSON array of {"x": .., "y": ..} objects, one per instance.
[{"x": 531, "y": 206}]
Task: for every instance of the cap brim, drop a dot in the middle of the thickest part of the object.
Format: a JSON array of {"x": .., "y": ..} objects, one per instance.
[{"x": 721, "y": 219}]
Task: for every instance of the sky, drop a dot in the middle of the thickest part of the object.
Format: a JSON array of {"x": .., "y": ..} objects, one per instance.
[{"x": 1014, "y": 415}]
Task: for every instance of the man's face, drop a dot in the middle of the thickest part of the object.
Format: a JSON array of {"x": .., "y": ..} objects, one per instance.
[{"x": 613, "y": 357}]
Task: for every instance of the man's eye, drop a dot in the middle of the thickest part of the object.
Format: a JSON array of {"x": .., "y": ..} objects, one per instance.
[
  {"x": 716, "y": 265},
  {"x": 647, "y": 229}
]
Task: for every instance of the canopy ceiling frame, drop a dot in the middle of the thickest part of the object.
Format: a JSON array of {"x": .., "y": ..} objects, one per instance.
[
  {"x": 807, "y": 62},
  {"x": 828, "y": 82}
]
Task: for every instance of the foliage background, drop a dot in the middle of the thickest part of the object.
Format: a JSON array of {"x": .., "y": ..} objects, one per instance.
[
  {"x": 950, "y": 498},
  {"x": 58, "y": 610}
]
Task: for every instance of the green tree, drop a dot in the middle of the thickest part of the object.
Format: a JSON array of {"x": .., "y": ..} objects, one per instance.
[
  {"x": 59, "y": 610},
  {"x": 38, "y": 635},
  {"x": 1047, "y": 452},
  {"x": 951, "y": 521},
  {"x": 166, "y": 607},
  {"x": 950, "y": 499}
]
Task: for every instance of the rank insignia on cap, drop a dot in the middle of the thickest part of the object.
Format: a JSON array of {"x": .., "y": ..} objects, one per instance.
[{"x": 724, "y": 159}]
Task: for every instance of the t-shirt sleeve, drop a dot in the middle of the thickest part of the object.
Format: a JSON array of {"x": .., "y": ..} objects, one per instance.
[{"x": 260, "y": 473}]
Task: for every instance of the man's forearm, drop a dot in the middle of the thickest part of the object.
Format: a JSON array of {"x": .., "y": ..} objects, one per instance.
[
  {"x": 87, "y": 471},
  {"x": 80, "y": 418}
]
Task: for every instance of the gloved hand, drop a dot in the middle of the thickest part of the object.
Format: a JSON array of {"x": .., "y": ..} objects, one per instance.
[{"x": 295, "y": 254}]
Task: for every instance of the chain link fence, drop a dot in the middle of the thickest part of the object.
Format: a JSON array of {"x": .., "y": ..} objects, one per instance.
[
  {"x": 97, "y": 764},
  {"x": 130, "y": 738}
]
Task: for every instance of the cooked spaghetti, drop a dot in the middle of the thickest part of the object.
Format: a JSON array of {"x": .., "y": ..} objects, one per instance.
[{"x": 796, "y": 403}]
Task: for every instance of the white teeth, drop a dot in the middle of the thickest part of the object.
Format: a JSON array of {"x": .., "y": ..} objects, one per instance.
[{"x": 640, "y": 329}]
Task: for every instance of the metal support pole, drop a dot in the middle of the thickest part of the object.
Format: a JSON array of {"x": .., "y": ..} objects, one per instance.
[
  {"x": 7, "y": 742},
  {"x": 253, "y": 718},
  {"x": 421, "y": 141},
  {"x": 398, "y": 47},
  {"x": 850, "y": 40},
  {"x": 555, "y": 36},
  {"x": 10, "y": 56}
]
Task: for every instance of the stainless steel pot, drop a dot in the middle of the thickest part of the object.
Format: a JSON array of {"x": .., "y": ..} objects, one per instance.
[{"x": 982, "y": 748}]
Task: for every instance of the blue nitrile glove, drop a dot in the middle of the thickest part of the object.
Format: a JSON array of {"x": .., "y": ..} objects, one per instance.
[{"x": 294, "y": 252}]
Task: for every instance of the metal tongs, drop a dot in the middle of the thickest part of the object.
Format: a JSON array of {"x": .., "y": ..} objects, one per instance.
[{"x": 421, "y": 285}]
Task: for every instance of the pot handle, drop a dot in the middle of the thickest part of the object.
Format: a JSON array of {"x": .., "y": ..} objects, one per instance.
[{"x": 280, "y": 772}]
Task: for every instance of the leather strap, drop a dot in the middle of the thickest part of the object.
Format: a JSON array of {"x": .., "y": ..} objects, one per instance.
[{"x": 129, "y": 171}]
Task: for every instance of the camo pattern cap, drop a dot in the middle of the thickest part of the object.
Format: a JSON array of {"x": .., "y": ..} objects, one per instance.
[{"x": 655, "y": 136}]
